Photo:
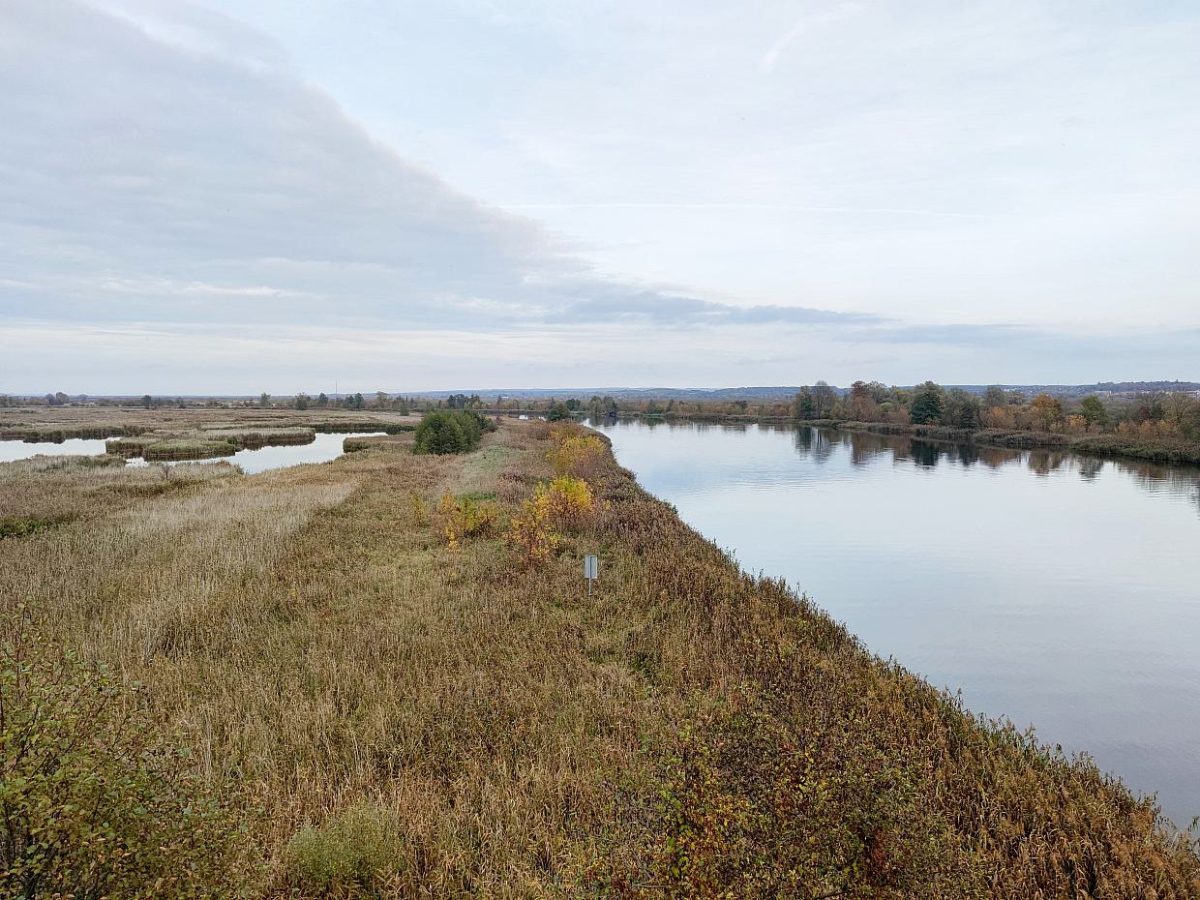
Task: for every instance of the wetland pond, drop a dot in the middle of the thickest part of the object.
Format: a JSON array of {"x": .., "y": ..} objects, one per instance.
[
  {"x": 1051, "y": 588},
  {"x": 322, "y": 448}
]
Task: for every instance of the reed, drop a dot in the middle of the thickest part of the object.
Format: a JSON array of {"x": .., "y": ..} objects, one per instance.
[
  {"x": 258, "y": 437},
  {"x": 187, "y": 448}
]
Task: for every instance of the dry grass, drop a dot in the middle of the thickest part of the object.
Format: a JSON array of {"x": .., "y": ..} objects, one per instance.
[{"x": 415, "y": 719}]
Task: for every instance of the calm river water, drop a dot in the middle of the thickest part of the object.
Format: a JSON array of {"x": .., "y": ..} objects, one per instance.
[{"x": 1057, "y": 590}]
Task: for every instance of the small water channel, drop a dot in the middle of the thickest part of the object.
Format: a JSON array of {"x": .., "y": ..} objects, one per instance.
[{"x": 322, "y": 449}]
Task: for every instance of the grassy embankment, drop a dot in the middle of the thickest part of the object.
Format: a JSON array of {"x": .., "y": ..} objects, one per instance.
[{"x": 391, "y": 715}]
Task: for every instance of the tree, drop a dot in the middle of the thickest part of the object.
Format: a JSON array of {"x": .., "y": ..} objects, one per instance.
[
  {"x": 994, "y": 396},
  {"x": 302, "y": 401},
  {"x": 1094, "y": 412},
  {"x": 926, "y": 405},
  {"x": 803, "y": 406},
  {"x": 264, "y": 399},
  {"x": 558, "y": 413},
  {"x": 147, "y": 401},
  {"x": 823, "y": 399},
  {"x": 863, "y": 405},
  {"x": 322, "y": 399},
  {"x": 1047, "y": 411},
  {"x": 960, "y": 410},
  {"x": 450, "y": 431}
]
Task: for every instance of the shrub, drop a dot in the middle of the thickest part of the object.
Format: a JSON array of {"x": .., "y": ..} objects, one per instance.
[
  {"x": 23, "y": 526},
  {"x": 530, "y": 533},
  {"x": 565, "y": 501},
  {"x": 464, "y": 516},
  {"x": 570, "y": 500},
  {"x": 453, "y": 431},
  {"x": 576, "y": 454},
  {"x": 355, "y": 852},
  {"x": 92, "y": 802}
]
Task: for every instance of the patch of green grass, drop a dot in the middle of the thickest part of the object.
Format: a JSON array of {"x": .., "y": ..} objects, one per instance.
[
  {"x": 354, "y": 853},
  {"x": 23, "y": 526}
]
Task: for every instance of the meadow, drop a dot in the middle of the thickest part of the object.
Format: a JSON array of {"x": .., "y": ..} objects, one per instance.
[{"x": 383, "y": 676}]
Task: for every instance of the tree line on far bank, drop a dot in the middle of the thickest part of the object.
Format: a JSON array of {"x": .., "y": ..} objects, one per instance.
[{"x": 1152, "y": 415}]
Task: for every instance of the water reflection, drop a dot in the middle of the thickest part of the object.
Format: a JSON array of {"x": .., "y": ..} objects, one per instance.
[
  {"x": 863, "y": 448},
  {"x": 1053, "y": 588}
]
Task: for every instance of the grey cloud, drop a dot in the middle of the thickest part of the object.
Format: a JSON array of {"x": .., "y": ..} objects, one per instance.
[
  {"x": 993, "y": 335},
  {"x": 170, "y": 166},
  {"x": 670, "y": 309}
]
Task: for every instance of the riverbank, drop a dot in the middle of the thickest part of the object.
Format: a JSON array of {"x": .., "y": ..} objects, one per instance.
[{"x": 394, "y": 713}]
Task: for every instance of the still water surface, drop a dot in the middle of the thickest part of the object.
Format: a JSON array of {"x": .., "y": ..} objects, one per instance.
[
  {"x": 323, "y": 448},
  {"x": 10, "y": 451},
  {"x": 1057, "y": 590}
]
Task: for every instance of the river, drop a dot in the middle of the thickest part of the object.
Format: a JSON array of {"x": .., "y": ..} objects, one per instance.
[{"x": 1050, "y": 588}]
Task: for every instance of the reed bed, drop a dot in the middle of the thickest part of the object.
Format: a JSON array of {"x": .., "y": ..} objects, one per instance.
[
  {"x": 187, "y": 448},
  {"x": 378, "y": 442},
  {"x": 259, "y": 437}
]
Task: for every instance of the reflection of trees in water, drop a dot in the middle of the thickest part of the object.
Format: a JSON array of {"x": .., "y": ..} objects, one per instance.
[
  {"x": 1043, "y": 462},
  {"x": 814, "y": 442},
  {"x": 819, "y": 444},
  {"x": 861, "y": 451},
  {"x": 926, "y": 455}
]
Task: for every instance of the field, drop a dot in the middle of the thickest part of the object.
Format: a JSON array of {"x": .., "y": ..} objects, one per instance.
[{"x": 383, "y": 689}]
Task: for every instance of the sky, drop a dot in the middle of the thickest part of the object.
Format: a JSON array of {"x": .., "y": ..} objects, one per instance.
[{"x": 229, "y": 196}]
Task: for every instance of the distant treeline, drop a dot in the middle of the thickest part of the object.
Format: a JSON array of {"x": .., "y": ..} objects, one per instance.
[
  {"x": 1156, "y": 414},
  {"x": 1166, "y": 414}
]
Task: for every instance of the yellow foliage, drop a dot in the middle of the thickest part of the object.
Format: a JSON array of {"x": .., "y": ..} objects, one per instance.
[
  {"x": 570, "y": 499},
  {"x": 564, "y": 501},
  {"x": 459, "y": 517},
  {"x": 575, "y": 454},
  {"x": 530, "y": 530}
]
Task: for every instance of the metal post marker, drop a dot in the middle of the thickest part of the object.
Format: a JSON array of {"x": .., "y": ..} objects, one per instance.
[{"x": 591, "y": 571}]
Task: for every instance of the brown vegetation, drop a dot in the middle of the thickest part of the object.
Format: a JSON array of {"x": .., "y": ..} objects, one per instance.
[{"x": 408, "y": 715}]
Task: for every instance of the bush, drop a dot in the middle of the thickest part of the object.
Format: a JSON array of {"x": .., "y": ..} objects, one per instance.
[
  {"x": 92, "y": 803},
  {"x": 570, "y": 500},
  {"x": 454, "y": 431},
  {"x": 464, "y": 516},
  {"x": 565, "y": 501},
  {"x": 529, "y": 531},
  {"x": 355, "y": 852},
  {"x": 559, "y": 412},
  {"x": 576, "y": 454}
]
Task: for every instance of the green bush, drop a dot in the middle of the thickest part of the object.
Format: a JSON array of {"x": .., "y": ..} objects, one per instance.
[
  {"x": 92, "y": 802},
  {"x": 355, "y": 852},
  {"x": 453, "y": 431}
]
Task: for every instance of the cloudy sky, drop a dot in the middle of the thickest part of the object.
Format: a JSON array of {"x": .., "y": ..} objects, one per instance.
[{"x": 246, "y": 195}]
